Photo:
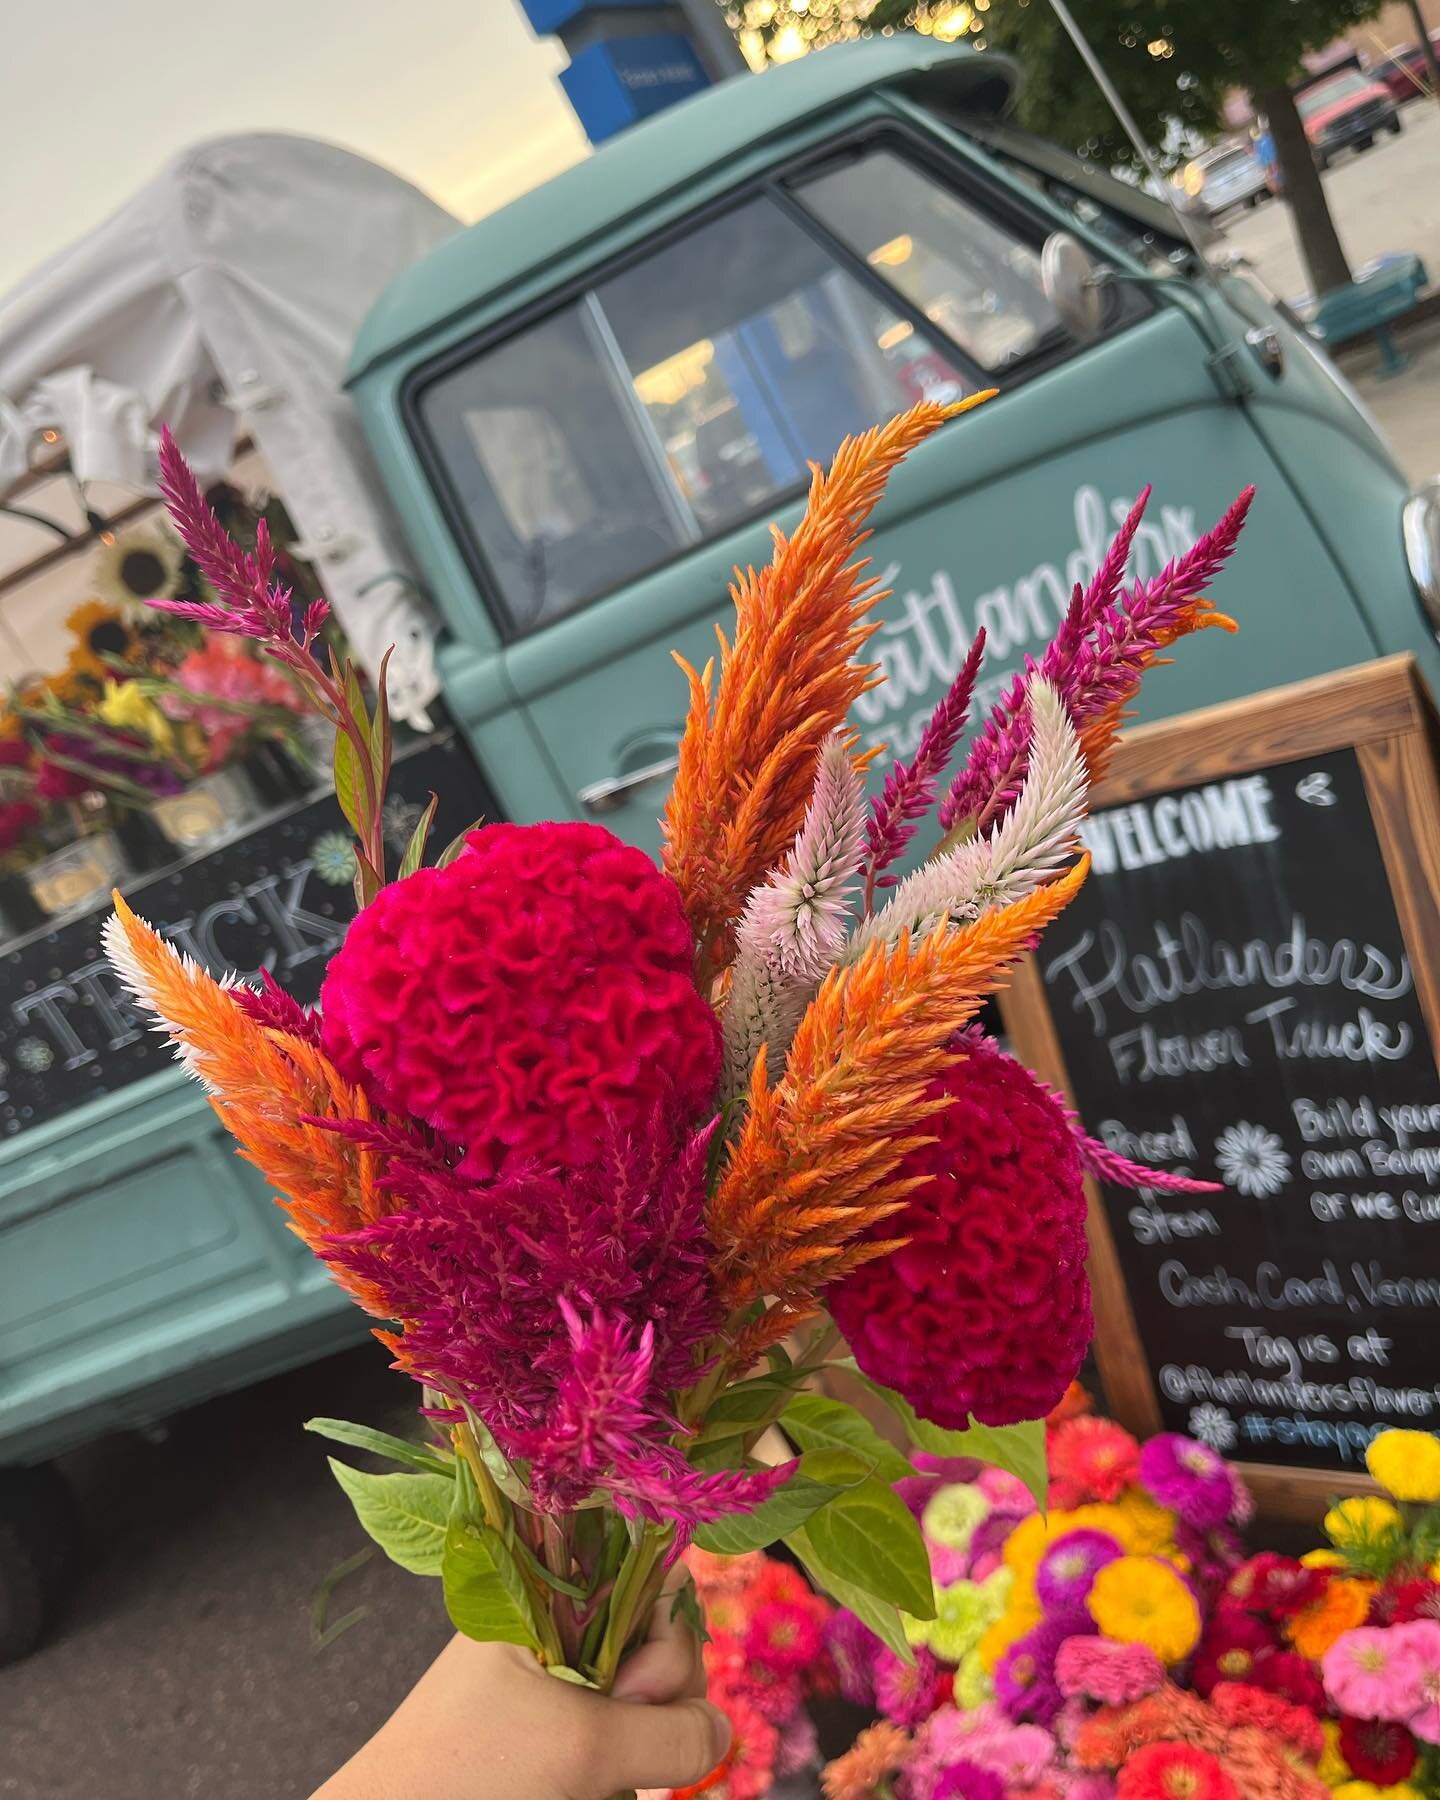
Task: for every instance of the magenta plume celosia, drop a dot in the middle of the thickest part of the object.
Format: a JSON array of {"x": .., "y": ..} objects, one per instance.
[
  {"x": 1095, "y": 661},
  {"x": 910, "y": 788},
  {"x": 527, "y": 1000}
]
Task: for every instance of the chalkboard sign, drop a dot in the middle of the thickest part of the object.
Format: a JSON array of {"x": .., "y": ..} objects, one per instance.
[
  {"x": 1244, "y": 991},
  {"x": 276, "y": 897}
]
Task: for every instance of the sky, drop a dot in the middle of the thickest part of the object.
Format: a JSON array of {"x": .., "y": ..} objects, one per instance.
[{"x": 456, "y": 95}]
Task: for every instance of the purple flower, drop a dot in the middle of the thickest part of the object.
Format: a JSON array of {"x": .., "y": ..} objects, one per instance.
[
  {"x": 968, "y": 1781},
  {"x": 1025, "y": 1676},
  {"x": 909, "y": 790},
  {"x": 1189, "y": 1478},
  {"x": 1095, "y": 660},
  {"x": 1068, "y": 1569},
  {"x": 250, "y": 602},
  {"x": 853, "y": 1649},
  {"x": 905, "y": 1692}
]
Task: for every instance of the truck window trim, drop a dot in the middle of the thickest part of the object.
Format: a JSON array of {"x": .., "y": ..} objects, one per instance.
[{"x": 782, "y": 187}]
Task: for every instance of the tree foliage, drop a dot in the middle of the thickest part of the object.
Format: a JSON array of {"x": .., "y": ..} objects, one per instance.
[{"x": 1170, "y": 60}]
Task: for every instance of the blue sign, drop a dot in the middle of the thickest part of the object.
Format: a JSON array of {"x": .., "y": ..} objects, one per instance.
[
  {"x": 613, "y": 83},
  {"x": 550, "y": 17}
]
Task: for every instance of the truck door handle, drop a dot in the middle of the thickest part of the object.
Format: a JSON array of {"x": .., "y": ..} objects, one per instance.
[{"x": 605, "y": 796}]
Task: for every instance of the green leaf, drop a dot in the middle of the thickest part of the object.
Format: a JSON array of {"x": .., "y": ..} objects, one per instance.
[
  {"x": 415, "y": 849},
  {"x": 822, "y": 1476},
  {"x": 380, "y": 736},
  {"x": 869, "y": 1538},
  {"x": 686, "y": 1605},
  {"x": 739, "y": 1410},
  {"x": 815, "y": 1423},
  {"x": 405, "y": 1514},
  {"x": 882, "y": 1618},
  {"x": 1020, "y": 1449},
  {"x": 457, "y": 844},
  {"x": 365, "y": 1437},
  {"x": 485, "y": 1592},
  {"x": 349, "y": 790}
]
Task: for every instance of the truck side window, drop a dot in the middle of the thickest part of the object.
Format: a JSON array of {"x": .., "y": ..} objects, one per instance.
[
  {"x": 976, "y": 281},
  {"x": 683, "y": 395}
]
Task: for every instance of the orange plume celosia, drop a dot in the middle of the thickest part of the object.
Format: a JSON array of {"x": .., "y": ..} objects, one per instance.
[
  {"x": 815, "y": 1163},
  {"x": 747, "y": 756},
  {"x": 264, "y": 1085}
]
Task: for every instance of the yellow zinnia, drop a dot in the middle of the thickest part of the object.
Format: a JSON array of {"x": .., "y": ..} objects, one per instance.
[
  {"x": 1361, "y": 1520},
  {"x": 1406, "y": 1464},
  {"x": 1324, "y": 1559},
  {"x": 1141, "y": 1600},
  {"x": 1145, "y": 1528},
  {"x": 1357, "y": 1790}
]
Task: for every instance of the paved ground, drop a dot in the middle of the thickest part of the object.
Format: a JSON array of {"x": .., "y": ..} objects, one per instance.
[
  {"x": 187, "y": 1664},
  {"x": 1387, "y": 198}
]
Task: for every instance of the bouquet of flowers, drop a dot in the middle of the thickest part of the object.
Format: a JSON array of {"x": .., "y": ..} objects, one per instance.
[{"x": 598, "y": 1142}]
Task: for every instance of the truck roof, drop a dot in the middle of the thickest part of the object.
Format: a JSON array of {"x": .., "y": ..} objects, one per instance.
[{"x": 656, "y": 158}]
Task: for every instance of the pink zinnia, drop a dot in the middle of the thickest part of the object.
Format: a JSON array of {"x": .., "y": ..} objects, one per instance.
[
  {"x": 1420, "y": 1648},
  {"x": 1372, "y": 1673},
  {"x": 906, "y": 1693},
  {"x": 1189, "y": 1478}
]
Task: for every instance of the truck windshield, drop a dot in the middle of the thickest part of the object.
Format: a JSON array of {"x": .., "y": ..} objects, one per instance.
[{"x": 671, "y": 401}]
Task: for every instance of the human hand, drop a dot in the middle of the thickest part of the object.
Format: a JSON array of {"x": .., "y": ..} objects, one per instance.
[{"x": 486, "y": 1720}]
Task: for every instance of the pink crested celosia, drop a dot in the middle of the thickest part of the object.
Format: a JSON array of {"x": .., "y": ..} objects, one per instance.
[
  {"x": 527, "y": 1001},
  {"x": 565, "y": 1308},
  {"x": 1114, "y": 1674},
  {"x": 984, "y": 1312}
]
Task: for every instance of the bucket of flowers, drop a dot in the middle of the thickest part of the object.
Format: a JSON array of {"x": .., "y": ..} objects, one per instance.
[{"x": 612, "y": 1151}]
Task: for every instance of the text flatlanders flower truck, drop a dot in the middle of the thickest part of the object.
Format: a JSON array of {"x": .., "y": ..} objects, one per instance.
[{"x": 576, "y": 417}]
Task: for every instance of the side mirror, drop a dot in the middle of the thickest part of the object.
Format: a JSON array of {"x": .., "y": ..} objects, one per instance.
[{"x": 1074, "y": 285}]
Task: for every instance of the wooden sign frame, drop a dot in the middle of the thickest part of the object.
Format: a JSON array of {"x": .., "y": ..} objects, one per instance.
[{"x": 1382, "y": 712}]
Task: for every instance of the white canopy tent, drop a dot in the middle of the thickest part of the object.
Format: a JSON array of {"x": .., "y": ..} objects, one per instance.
[{"x": 223, "y": 300}]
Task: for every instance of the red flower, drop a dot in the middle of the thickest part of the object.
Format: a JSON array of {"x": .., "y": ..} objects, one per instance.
[
  {"x": 529, "y": 1002},
  {"x": 784, "y": 1637},
  {"x": 15, "y": 753},
  {"x": 1173, "y": 1772},
  {"x": 1095, "y": 1459},
  {"x": 1275, "y": 1585},
  {"x": 985, "y": 1311},
  {"x": 1239, "y": 1704},
  {"x": 1377, "y": 1750},
  {"x": 1292, "y": 1677},
  {"x": 1398, "y": 1605},
  {"x": 16, "y": 819},
  {"x": 1233, "y": 1644}
]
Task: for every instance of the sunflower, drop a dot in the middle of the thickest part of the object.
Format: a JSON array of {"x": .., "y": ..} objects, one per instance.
[
  {"x": 99, "y": 631},
  {"x": 140, "y": 565}
]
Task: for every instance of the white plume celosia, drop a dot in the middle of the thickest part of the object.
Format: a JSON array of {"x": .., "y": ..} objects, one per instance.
[
  {"x": 793, "y": 928},
  {"x": 1028, "y": 846}
]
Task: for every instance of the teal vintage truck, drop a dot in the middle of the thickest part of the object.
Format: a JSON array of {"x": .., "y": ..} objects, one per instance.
[{"x": 577, "y": 416}]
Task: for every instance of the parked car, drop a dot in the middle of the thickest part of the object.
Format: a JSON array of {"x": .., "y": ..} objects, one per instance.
[
  {"x": 1227, "y": 175},
  {"x": 1346, "y": 111},
  {"x": 1404, "y": 72}
]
